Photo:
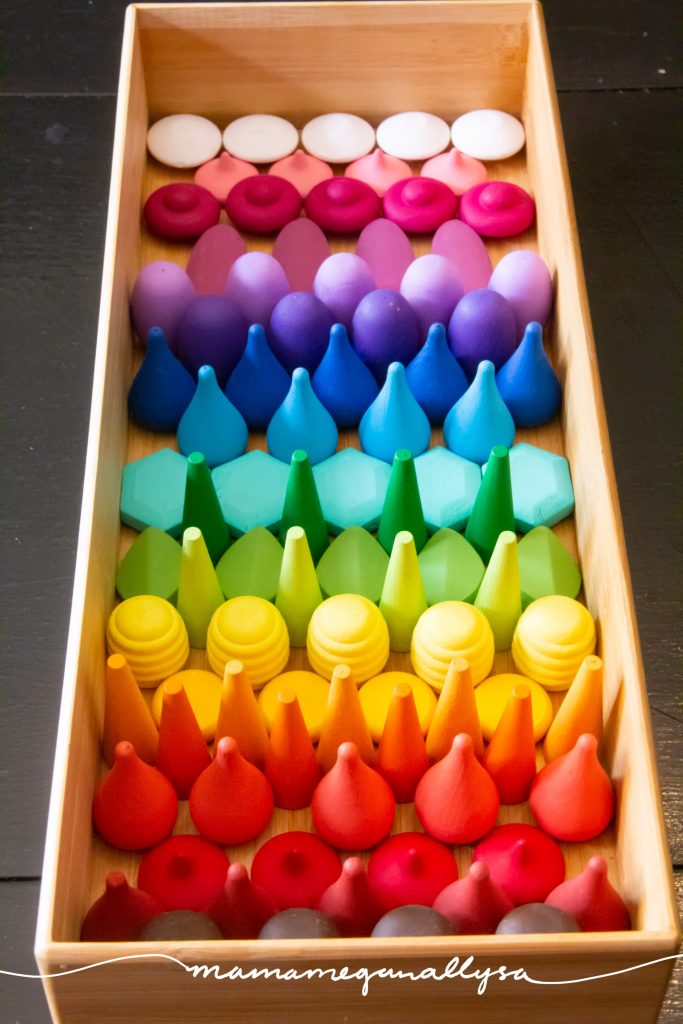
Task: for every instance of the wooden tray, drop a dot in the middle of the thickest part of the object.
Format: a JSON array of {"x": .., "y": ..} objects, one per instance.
[{"x": 373, "y": 59}]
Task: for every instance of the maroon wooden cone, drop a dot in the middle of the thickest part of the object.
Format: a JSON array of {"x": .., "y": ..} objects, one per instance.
[{"x": 120, "y": 913}]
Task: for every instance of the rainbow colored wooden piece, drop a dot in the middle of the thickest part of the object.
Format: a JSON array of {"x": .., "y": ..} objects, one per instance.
[{"x": 348, "y": 630}]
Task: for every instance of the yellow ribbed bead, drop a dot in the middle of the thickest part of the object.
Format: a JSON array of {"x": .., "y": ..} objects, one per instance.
[
  {"x": 251, "y": 630},
  {"x": 150, "y": 634},
  {"x": 447, "y": 630},
  {"x": 348, "y": 629},
  {"x": 552, "y": 638}
]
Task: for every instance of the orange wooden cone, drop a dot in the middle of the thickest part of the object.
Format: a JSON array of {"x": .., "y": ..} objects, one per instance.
[
  {"x": 402, "y": 758},
  {"x": 456, "y": 712},
  {"x": 239, "y": 715},
  {"x": 291, "y": 766},
  {"x": 580, "y": 711},
  {"x": 183, "y": 754},
  {"x": 126, "y": 715},
  {"x": 510, "y": 758},
  {"x": 344, "y": 721}
]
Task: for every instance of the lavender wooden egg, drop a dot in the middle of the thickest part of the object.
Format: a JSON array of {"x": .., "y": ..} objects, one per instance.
[
  {"x": 524, "y": 280},
  {"x": 341, "y": 282},
  {"x": 482, "y": 327},
  {"x": 432, "y": 286},
  {"x": 161, "y": 293},
  {"x": 212, "y": 331},
  {"x": 385, "y": 330},
  {"x": 256, "y": 283},
  {"x": 300, "y": 331}
]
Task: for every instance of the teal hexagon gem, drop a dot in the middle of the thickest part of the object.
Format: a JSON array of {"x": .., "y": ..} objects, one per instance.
[
  {"x": 351, "y": 486},
  {"x": 153, "y": 492},
  {"x": 542, "y": 492},
  {"x": 448, "y": 486},
  {"x": 251, "y": 491}
]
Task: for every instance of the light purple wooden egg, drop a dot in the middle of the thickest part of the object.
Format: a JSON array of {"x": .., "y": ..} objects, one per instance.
[
  {"x": 300, "y": 331},
  {"x": 161, "y": 294},
  {"x": 524, "y": 280},
  {"x": 482, "y": 327},
  {"x": 432, "y": 286},
  {"x": 256, "y": 283},
  {"x": 342, "y": 280}
]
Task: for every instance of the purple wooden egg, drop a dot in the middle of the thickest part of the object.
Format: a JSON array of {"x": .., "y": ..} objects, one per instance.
[
  {"x": 432, "y": 286},
  {"x": 212, "y": 332},
  {"x": 524, "y": 280},
  {"x": 161, "y": 293},
  {"x": 256, "y": 283},
  {"x": 385, "y": 330},
  {"x": 482, "y": 327},
  {"x": 300, "y": 331},
  {"x": 341, "y": 282}
]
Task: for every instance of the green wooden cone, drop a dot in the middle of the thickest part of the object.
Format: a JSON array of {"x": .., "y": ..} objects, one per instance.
[
  {"x": 492, "y": 511},
  {"x": 298, "y": 591},
  {"x": 402, "y": 506},
  {"x": 202, "y": 508},
  {"x": 403, "y": 596},
  {"x": 546, "y": 567},
  {"x": 150, "y": 566},
  {"x": 199, "y": 592},
  {"x": 302, "y": 506},
  {"x": 451, "y": 569},
  {"x": 251, "y": 566},
  {"x": 500, "y": 594},
  {"x": 354, "y": 563}
]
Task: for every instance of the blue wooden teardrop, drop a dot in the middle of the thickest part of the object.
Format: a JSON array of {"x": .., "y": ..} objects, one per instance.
[
  {"x": 258, "y": 384},
  {"x": 211, "y": 423},
  {"x": 394, "y": 420},
  {"x": 479, "y": 420},
  {"x": 302, "y": 421},
  {"x": 527, "y": 382},
  {"x": 342, "y": 382},
  {"x": 435, "y": 377},
  {"x": 162, "y": 388}
]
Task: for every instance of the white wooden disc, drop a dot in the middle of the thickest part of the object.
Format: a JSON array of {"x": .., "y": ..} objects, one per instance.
[
  {"x": 413, "y": 135},
  {"x": 260, "y": 138},
  {"x": 184, "y": 140},
  {"x": 338, "y": 138},
  {"x": 488, "y": 134}
]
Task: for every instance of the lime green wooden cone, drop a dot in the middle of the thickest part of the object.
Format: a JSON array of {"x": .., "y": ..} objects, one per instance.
[
  {"x": 500, "y": 594},
  {"x": 202, "y": 508},
  {"x": 298, "y": 591},
  {"x": 302, "y": 506},
  {"x": 199, "y": 592},
  {"x": 402, "y": 506},
  {"x": 403, "y": 596},
  {"x": 492, "y": 511}
]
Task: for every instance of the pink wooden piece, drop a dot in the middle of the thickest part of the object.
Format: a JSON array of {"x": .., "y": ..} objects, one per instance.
[
  {"x": 300, "y": 248},
  {"x": 465, "y": 249},
  {"x": 211, "y": 258},
  {"x": 386, "y": 249}
]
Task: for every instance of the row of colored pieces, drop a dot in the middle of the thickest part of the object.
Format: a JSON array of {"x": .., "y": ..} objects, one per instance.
[
  {"x": 520, "y": 489},
  {"x": 353, "y": 804},
  {"x": 187, "y": 140},
  {"x": 459, "y": 263},
  {"x": 299, "y": 888},
  {"x": 377, "y": 169},
  {"x": 266, "y": 203},
  {"x": 300, "y": 411}
]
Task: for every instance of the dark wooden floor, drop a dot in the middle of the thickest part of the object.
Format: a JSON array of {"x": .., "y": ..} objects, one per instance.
[{"x": 620, "y": 79}]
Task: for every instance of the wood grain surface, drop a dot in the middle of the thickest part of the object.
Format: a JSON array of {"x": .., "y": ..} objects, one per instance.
[{"x": 56, "y": 105}]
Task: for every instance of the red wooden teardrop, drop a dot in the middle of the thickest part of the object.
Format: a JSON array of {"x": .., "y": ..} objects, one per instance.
[
  {"x": 240, "y": 908},
  {"x": 474, "y": 904},
  {"x": 120, "y": 913},
  {"x": 410, "y": 868},
  {"x": 525, "y": 862},
  {"x": 295, "y": 868},
  {"x": 231, "y": 802},
  {"x": 183, "y": 872},
  {"x": 353, "y": 807},
  {"x": 134, "y": 806},
  {"x": 456, "y": 800},
  {"x": 591, "y": 900},
  {"x": 572, "y": 798},
  {"x": 183, "y": 754},
  {"x": 350, "y": 902}
]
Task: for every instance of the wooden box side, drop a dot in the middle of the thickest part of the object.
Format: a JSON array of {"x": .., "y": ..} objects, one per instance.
[{"x": 645, "y": 871}]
